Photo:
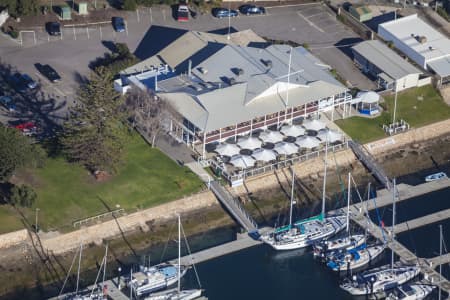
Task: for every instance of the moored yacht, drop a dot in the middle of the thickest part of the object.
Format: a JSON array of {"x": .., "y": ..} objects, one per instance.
[{"x": 412, "y": 291}]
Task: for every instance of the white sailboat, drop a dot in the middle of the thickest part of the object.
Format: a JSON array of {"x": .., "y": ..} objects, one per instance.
[
  {"x": 382, "y": 279},
  {"x": 346, "y": 242},
  {"x": 356, "y": 258},
  {"x": 410, "y": 292},
  {"x": 304, "y": 233},
  {"x": 177, "y": 294}
]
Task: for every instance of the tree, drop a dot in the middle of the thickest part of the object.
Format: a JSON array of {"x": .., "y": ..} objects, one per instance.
[
  {"x": 17, "y": 8},
  {"x": 16, "y": 151},
  {"x": 23, "y": 195},
  {"x": 129, "y": 5},
  {"x": 149, "y": 113},
  {"x": 93, "y": 135}
]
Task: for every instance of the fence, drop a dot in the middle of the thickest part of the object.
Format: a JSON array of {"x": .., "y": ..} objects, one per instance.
[
  {"x": 241, "y": 175},
  {"x": 98, "y": 217}
]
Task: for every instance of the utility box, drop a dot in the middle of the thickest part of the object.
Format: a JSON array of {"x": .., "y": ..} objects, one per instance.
[
  {"x": 65, "y": 13},
  {"x": 81, "y": 8}
]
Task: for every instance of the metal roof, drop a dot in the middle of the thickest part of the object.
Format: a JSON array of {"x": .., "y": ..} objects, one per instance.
[
  {"x": 408, "y": 29},
  {"x": 385, "y": 59},
  {"x": 441, "y": 66}
]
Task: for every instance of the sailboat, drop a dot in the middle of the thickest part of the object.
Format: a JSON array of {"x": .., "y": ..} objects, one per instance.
[
  {"x": 356, "y": 258},
  {"x": 306, "y": 232},
  {"x": 346, "y": 242},
  {"x": 156, "y": 278},
  {"x": 409, "y": 291},
  {"x": 381, "y": 279},
  {"x": 177, "y": 294}
]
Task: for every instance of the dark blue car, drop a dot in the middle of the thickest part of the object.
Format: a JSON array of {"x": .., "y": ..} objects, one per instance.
[
  {"x": 221, "y": 12},
  {"x": 118, "y": 24},
  {"x": 249, "y": 9}
]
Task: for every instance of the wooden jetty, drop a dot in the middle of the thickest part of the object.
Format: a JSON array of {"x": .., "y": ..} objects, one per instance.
[
  {"x": 422, "y": 221},
  {"x": 439, "y": 260}
]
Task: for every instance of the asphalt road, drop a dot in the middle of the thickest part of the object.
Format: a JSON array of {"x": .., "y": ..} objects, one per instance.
[{"x": 71, "y": 54}]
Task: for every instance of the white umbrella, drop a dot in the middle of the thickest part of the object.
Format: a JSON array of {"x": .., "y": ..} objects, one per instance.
[
  {"x": 285, "y": 148},
  {"x": 242, "y": 161},
  {"x": 292, "y": 130},
  {"x": 315, "y": 125},
  {"x": 307, "y": 142},
  {"x": 270, "y": 136},
  {"x": 329, "y": 135},
  {"x": 227, "y": 149},
  {"x": 264, "y": 155},
  {"x": 368, "y": 97},
  {"x": 250, "y": 143}
]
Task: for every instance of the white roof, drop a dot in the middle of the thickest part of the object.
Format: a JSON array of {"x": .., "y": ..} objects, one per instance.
[
  {"x": 271, "y": 136},
  {"x": 307, "y": 142},
  {"x": 285, "y": 148},
  {"x": 264, "y": 155},
  {"x": 368, "y": 97},
  {"x": 242, "y": 161},
  {"x": 292, "y": 130},
  {"x": 329, "y": 135},
  {"x": 315, "y": 125},
  {"x": 228, "y": 149},
  {"x": 408, "y": 29},
  {"x": 250, "y": 143}
]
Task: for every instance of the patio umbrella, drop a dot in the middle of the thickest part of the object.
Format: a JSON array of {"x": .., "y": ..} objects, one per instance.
[
  {"x": 249, "y": 143},
  {"x": 307, "y": 142},
  {"x": 242, "y": 161},
  {"x": 329, "y": 135},
  {"x": 314, "y": 125},
  {"x": 227, "y": 149},
  {"x": 264, "y": 155},
  {"x": 271, "y": 136},
  {"x": 285, "y": 148},
  {"x": 292, "y": 130}
]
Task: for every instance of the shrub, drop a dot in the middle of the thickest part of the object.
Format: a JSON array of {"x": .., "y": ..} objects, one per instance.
[
  {"x": 129, "y": 5},
  {"x": 14, "y": 34},
  {"x": 23, "y": 196}
]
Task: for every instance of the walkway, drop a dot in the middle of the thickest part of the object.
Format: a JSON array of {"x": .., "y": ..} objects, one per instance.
[
  {"x": 234, "y": 207},
  {"x": 439, "y": 260},
  {"x": 422, "y": 221},
  {"x": 369, "y": 162}
]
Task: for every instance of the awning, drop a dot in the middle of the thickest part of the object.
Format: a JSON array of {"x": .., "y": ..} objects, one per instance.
[
  {"x": 227, "y": 149},
  {"x": 292, "y": 130},
  {"x": 307, "y": 142},
  {"x": 285, "y": 148},
  {"x": 250, "y": 143},
  {"x": 315, "y": 125},
  {"x": 271, "y": 136},
  {"x": 264, "y": 155},
  {"x": 329, "y": 135},
  {"x": 242, "y": 161}
]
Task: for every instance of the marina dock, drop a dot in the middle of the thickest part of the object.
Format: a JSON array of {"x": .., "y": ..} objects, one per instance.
[{"x": 423, "y": 221}]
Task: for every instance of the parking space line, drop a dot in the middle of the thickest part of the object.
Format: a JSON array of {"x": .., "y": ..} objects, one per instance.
[
  {"x": 314, "y": 15},
  {"x": 310, "y": 23}
]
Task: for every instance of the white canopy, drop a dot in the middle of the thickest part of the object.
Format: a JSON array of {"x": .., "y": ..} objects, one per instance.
[
  {"x": 329, "y": 135},
  {"x": 308, "y": 142},
  {"x": 264, "y": 155},
  {"x": 250, "y": 143},
  {"x": 315, "y": 125},
  {"x": 368, "y": 97},
  {"x": 285, "y": 148},
  {"x": 242, "y": 161},
  {"x": 271, "y": 136},
  {"x": 292, "y": 130},
  {"x": 227, "y": 149}
]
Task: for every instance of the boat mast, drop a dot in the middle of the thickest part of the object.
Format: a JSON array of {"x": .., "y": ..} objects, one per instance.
[
  {"x": 179, "y": 253},
  {"x": 104, "y": 267},
  {"x": 440, "y": 258},
  {"x": 131, "y": 283},
  {"x": 348, "y": 202},
  {"x": 324, "y": 178},
  {"x": 79, "y": 265},
  {"x": 393, "y": 224},
  {"x": 292, "y": 198}
]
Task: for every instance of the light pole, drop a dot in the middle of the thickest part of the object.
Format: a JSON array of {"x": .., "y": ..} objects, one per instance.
[
  {"x": 36, "y": 223},
  {"x": 395, "y": 103}
]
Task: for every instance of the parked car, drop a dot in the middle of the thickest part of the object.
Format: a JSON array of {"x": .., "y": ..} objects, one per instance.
[
  {"x": 28, "y": 128},
  {"x": 48, "y": 72},
  {"x": 182, "y": 13},
  {"x": 220, "y": 12},
  {"x": 118, "y": 24},
  {"x": 249, "y": 9},
  {"x": 30, "y": 83},
  {"x": 17, "y": 82},
  {"x": 8, "y": 103},
  {"x": 53, "y": 28}
]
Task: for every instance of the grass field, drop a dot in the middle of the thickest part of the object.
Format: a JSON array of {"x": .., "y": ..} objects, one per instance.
[
  {"x": 418, "y": 107},
  {"x": 67, "y": 192}
]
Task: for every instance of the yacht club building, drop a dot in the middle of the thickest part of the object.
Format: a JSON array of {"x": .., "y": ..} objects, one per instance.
[{"x": 224, "y": 90}]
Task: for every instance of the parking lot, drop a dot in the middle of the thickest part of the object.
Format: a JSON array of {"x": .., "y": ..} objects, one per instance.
[{"x": 71, "y": 53}]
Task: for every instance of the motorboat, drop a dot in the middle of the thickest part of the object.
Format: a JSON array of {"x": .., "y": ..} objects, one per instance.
[
  {"x": 436, "y": 176},
  {"x": 155, "y": 278},
  {"x": 174, "y": 294},
  {"x": 411, "y": 291},
  {"x": 379, "y": 280},
  {"x": 340, "y": 243}
]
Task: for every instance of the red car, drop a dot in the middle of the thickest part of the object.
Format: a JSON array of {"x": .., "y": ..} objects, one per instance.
[
  {"x": 27, "y": 128},
  {"x": 183, "y": 13}
]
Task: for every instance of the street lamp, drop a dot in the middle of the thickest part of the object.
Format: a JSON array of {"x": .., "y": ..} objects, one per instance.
[{"x": 36, "y": 223}]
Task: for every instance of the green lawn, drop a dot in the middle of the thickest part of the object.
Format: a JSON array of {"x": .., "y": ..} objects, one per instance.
[
  {"x": 418, "y": 107},
  {"x": 67, "y": 192}
]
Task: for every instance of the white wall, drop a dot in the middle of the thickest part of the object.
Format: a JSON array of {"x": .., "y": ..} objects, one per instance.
[
  {"x": 409, "y": 81},
  {"x": 3, "y": 16}
]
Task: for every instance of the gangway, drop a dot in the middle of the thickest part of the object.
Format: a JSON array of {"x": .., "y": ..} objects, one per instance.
[
  {"x": 369, "y": 162},
  {"x": 234, "y": 207}
]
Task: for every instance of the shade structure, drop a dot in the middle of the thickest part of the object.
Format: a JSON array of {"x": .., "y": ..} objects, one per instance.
[
  {"x": 315, "y": 125},
  {"x": 368, "y": 97},
  {"x": 292, "y": 130},
  {"x": 242, "y": 161},
  {"x": 226, "y": 149},
  {"x": 284, "y": 148},
  {"x": 264, "y": 155},
  {"x": 271, "y": 136},
  {"x": 329, "y": 135},
  {"x": 251, "y": 143},
  {"x": 307, "y": 142}
]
